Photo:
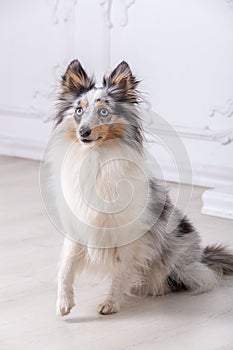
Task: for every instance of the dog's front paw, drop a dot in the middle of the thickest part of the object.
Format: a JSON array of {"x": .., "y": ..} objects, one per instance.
[
  {"x": 64, "y": 305},
  {"x": 108, "y": 307}
]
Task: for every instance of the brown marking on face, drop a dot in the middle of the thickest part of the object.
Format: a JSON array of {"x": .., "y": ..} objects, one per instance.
[
  {"x": 71, "y": 129},
  {"x": 99, "y": 104},
  {"x": 83, "y": 104},
  {"x": 108, "y": 131}
]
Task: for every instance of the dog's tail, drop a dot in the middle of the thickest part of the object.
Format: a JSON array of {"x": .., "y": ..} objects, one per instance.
[{"x": 219, "y": 259}]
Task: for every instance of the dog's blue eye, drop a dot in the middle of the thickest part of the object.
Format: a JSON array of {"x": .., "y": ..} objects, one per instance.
[
  {"x": 79, "y": 111},
  {"x": 103, "y": 112}
]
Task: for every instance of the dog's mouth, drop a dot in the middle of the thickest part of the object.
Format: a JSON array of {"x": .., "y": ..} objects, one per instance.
[{"x": 89, "y": 140}]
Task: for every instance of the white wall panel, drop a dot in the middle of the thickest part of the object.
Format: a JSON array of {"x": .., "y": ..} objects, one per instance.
[{"x": 182, "y": 50}]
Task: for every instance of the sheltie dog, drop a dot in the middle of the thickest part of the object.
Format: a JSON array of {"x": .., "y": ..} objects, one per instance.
[{"x": 117, "y": 217}]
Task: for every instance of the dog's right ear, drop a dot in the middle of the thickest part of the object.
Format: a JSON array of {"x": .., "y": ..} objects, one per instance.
[{"x": 75, "y": 80}]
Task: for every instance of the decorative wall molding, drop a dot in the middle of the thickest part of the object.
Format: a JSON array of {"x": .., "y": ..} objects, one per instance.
[
  {"x": 54, "y": 4},
  {"x": 126, "y": 4},
  {"x": 70, "y": 10},
  {"x": 45, "y": 95},
  {"x": 107, "y": 10},
  {"x": 221, "y": 137},
  {"x": 225, "y": 111},
  {"x": 152, "y": 126},
  {"x": 61, "y": 11},
  {"x": 107, "y": 6}
]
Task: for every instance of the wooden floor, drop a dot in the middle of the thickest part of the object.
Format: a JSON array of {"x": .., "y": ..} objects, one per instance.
[{"x": 29, "y": 251}]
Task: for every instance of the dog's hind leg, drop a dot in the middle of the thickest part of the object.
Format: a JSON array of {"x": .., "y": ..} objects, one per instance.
[
  {"x": 198, "y": 278},
  {"x": 71, "y": 264}
]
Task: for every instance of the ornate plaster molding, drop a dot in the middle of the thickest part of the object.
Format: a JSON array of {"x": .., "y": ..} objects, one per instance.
[
  {"x": 54, "y": 5},
  {"x": 107, "y": 10},
  {"x": 123, "y": 6},
  {"x": 126, "y": 4},
  {"x": 61, "y": 11},
  {"x": 224, "y": 111},
  {"x": 154, "y": 126}
]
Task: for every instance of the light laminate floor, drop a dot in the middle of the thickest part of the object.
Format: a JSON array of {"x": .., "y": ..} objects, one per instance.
[{"x": 29, "y": 251}]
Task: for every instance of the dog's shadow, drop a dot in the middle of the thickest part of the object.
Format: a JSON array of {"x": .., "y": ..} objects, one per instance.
[
  {"x": 82, "y": 319},
  {"x": 174, "y": 304}
]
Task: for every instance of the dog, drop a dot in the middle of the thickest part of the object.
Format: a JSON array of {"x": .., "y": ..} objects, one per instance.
[{"x": 117, "y": 217}]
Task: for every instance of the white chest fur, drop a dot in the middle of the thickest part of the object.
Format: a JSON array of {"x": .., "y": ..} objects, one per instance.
[{"x": 104, "y": 194}]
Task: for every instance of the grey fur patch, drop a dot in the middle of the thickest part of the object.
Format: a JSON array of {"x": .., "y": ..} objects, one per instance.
[
  {"x": 132, "y": 135},
  {"x": 175, "y": 283},
  {"x": 160, "y": 204},
  {"x": 185, "y": 227}
]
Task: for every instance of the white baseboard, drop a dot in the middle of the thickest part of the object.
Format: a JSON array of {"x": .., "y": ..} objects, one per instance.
[{"x": 218, "y": 202}]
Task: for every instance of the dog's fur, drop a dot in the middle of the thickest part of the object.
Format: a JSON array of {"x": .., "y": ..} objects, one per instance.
[{"x": 155, "y": 260}]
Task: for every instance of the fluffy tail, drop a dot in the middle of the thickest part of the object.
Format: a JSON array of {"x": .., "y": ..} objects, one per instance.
[{"x": 219, "y": 259}]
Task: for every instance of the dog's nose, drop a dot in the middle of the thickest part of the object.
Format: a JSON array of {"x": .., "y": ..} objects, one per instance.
[{"x": 85, "y": 131}]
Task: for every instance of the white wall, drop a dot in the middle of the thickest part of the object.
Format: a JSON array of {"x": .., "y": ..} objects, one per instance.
[{"x": 182, "y": 50}]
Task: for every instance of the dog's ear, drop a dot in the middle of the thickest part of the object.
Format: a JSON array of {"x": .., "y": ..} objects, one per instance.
[
  {"x": 75, "y": 80},
  {"x": 121, "y": 84}
]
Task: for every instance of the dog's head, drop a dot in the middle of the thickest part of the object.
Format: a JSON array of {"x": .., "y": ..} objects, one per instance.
[{"x": 93, "y": 115}]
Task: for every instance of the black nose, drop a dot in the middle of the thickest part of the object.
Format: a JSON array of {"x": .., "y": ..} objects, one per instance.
[{"x": 85, "y": 131}]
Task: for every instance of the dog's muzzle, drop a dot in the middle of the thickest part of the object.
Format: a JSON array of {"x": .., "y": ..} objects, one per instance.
[{"x": 85, "y": 131}]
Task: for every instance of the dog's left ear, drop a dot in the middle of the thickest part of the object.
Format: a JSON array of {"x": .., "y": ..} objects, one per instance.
[
  {"x": 121, "y": 84},
  {"x": 75, "y": 80}
]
